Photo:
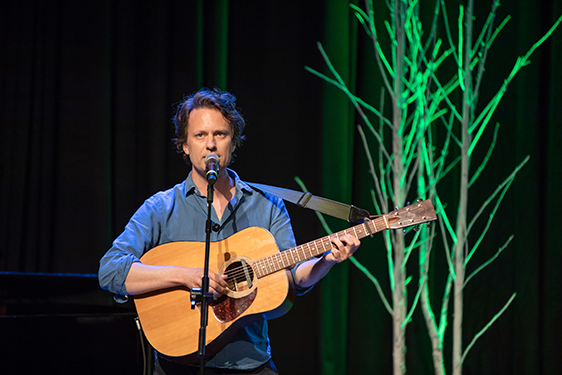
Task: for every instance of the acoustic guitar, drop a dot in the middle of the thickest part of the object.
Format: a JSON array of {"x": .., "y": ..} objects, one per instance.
[{"x": 259, "y": 285}]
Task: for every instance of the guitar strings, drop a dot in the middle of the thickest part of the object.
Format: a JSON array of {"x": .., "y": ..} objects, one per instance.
[
  {"x": 272, "y": 261},
  {"x": 325, "y": 242},
  {"x": 239, "y": 271}
]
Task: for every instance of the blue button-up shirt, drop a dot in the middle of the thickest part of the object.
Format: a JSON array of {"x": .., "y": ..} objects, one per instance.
[{"x": 180, "y": 214}]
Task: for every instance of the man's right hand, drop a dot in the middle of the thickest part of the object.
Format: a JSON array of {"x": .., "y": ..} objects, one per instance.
[
  {"x": 143, "y": 278},
  {"x": 194, "y": 276}
]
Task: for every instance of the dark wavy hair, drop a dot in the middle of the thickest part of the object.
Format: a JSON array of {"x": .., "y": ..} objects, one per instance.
[{"x": 220, "y": 100}]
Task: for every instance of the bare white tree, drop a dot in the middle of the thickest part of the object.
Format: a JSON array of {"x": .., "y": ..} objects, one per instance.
[{"x": 407, "y": 157}]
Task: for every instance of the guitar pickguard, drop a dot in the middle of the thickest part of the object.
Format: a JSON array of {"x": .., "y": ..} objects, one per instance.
[{"x": 229, "y": 309}]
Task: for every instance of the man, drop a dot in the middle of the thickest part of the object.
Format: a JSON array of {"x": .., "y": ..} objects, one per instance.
[{"x": 209, "y": 122}]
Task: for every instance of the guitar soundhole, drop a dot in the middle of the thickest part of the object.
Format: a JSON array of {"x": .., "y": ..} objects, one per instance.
[{"x": 241, "y": 277}]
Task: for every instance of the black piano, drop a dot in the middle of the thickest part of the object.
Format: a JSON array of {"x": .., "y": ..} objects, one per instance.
[{"x": 65, "y": 324}]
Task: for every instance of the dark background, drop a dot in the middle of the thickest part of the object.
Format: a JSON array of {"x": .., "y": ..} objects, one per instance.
[{"x": 87, "y": 92}]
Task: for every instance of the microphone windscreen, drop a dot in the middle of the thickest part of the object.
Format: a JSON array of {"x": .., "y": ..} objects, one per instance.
[{"x": 212, "y": 158}]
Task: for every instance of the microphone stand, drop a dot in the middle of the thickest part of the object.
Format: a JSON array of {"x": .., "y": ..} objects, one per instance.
[{"x": 203, "y": 295}]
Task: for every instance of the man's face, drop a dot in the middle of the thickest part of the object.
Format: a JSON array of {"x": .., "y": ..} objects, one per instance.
[{"x": 208, "y": 132}]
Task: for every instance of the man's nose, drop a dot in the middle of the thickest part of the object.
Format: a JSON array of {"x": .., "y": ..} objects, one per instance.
[{"x": 211, "y": 144}]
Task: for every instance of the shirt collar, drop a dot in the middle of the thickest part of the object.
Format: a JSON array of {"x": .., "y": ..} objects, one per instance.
[{"x": 240, "y": 185}]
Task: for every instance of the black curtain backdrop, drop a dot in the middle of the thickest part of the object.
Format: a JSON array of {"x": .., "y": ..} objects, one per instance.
[{"x": 87, "y": 92}]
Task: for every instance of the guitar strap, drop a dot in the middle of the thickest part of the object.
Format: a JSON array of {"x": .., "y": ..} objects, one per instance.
[{"x": 350, "y": 213}]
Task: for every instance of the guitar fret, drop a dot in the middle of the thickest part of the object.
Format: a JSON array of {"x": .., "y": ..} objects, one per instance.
[
  {"x": 272, "y": 263},
  {"x": 263, "y": 268},
  {"x": 259, "y": 268},
  {"x": 298, "y": 251},
  {"x": 324, "y": 245},
  {"x": 315, "y": 248},
  {"x": 302, "y": 253},
  {"x": 277, "y": 260},
  {"x": 285, "y": 260}
]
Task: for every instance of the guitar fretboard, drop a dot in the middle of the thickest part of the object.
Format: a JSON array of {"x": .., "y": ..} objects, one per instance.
[{"x": 290, "y": 257}]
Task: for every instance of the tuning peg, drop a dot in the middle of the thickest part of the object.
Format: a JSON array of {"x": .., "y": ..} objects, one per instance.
[
  {"x": 396, "y": 208},
  {"x": 416, "y": 228},
  {"x": 407, "y": 203},
  {"x": 428, "y": 225},
  {"x": 419, "y": 200}
]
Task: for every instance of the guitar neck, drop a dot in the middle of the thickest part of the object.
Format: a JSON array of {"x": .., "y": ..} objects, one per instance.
[{"x": 290, "y": 257}]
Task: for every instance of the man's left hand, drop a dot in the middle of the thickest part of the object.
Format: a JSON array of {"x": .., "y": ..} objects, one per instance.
[{"x": 344, "y": 247}]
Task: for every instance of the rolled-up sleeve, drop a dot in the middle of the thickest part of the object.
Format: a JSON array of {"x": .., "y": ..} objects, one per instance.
[
  {"x": 140, "y": 235},
  {"x": 282, "y": 230}
]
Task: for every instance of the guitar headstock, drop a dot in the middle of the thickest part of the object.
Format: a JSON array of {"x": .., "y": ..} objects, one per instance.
[{"x": 414, "y": 214}]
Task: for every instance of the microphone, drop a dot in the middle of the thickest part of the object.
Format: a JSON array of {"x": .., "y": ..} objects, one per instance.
[{"x": 212, "y": 164}]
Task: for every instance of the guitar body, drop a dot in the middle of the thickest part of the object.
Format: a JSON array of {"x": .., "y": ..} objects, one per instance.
[
  {"x": 172, "y": 326},
  {"x": 259, "y": 287}
]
